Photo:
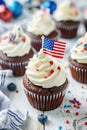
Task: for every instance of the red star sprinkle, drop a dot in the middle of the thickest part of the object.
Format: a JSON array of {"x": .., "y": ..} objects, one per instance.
[
  {"x": 51, "y": 71},
  {"x": 51, "y": 62},
  {"x": 67, "y": 111},
  {"x": 85, "y": 49},
  {"x": 58, "y": 67},
  {"x": 75, "y": 105},
  {"x": 45, "y": 77},
  {"x": 77, "y": 113},
  {"x": 13, "y": 43},
  {"x": 67, "y": 122},
  {"x": 23, "y": 38},
  {"x": 86, "y": 123},
  {"x": 5, "y": 38},
  {"x": 17, "y": 91}
]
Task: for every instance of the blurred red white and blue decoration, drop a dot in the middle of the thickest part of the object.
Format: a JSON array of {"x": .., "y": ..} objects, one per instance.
[
  {"x": 33, "y": 3},
  {"x": 16, "y": 8},
  {"x": 51, "y": 5},
  {"x": 2, "y": 2},
  {"x": 5, "y": 13}
]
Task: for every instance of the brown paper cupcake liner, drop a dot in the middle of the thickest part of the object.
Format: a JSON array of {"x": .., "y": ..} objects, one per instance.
[
  {"x": 68, "y": 29},
  {"x": 44, "y": 99},
  {"x": 44, "y": 102},
  {"x": 16, "y": 64},
  {"x": 17, "y": 68},
  {"x": 85, "y": 24},
  {"x": 79, "y": 74}
]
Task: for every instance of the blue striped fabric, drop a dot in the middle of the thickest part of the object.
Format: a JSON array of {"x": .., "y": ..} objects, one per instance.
[
  {"x": 11, "y": 118},
  {"x": 15, "y": 117},
  {"x": 3, "y": 75}
]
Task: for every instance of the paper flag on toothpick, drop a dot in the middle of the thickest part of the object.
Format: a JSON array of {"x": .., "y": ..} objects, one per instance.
[{"x": 53, "y": 47}]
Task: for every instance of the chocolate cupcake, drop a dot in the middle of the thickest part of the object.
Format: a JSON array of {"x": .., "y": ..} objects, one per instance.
[
  {"x": 78, "y": 60},
  {"x": 15, "y": 51},
  {"x": 67, "y": 18},
  {"x": 42, "y": 25},
  {"x": 45, "y": 82}
]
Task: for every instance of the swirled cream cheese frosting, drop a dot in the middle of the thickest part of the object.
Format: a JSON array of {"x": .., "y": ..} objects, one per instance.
[
  {"x": 15, "y": 43},
  {"x": 67, "y": 11},
  {"x": 79, "y": 51},
  {"x": 41, "y": 24},
  {"x": 44, "y": 70}
]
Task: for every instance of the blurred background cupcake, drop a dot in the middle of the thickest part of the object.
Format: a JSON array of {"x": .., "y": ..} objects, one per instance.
[
  {"x": 42, "y": 24},
  {"x": 15, "y": 51},
  {"x": 78, "y": 60},
  {"x": 67, "y": 18},
  {"x": 84, "y": 14},
  {"x": 45, "y": 82}
]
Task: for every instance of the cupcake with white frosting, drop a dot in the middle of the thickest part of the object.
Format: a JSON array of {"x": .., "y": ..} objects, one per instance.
[
  {"x": 78, "y": 60},
  {"x": 67, "y": 18},
  {"x": 15, "y": 51},
  {"x": 45, "y": 82},
  {"x": 42, "y": 25}
]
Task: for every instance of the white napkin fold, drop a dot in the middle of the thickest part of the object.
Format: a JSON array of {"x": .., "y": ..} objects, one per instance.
[
  {"x": 3, "y": 75},
  {"x": 11, "y": 117}
]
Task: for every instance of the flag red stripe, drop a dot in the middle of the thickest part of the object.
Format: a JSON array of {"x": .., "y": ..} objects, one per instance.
[
  {"x": 56, "y": 56},
  {"x": 59, "y": 48},
  {"x": 61, "y": 44},
  {"x": 57, "y": 45},
  {"x": 53, "y": 52}
]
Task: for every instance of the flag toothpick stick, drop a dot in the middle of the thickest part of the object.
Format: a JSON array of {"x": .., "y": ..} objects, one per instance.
[{"x": 42, "y": 41}]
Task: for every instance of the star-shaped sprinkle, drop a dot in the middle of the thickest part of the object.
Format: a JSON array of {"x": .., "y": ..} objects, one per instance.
[
  {"x": 51, "y": 62},
  {"x": 45, "y": 77},
  {"x": 77, "y": 113},
  {"x": 23, "y": 38},
  {"x": 51, "y": 71},
  {"x": 85, "y": 123},
  {"x": 5, "y": 37},
  {"x": 67, "y": 122},
  {"x": 67, "y": 111},
  {"x": 58, "y": 68}
]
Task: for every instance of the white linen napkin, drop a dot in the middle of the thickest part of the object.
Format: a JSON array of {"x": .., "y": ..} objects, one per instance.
[{"x": 11, "y": 117}]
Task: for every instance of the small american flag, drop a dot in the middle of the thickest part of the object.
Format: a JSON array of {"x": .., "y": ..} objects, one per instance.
[{"x": 54, "y": 48}]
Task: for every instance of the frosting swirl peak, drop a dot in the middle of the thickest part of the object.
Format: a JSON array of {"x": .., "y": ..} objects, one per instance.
[
  {"x": 41, "y": 24},
  {"x": 43, "y": 70},
  {"x": 79, "y": 51},
  {"x": 66, "y": 11},
  {"x": 15, "y": 43}
]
